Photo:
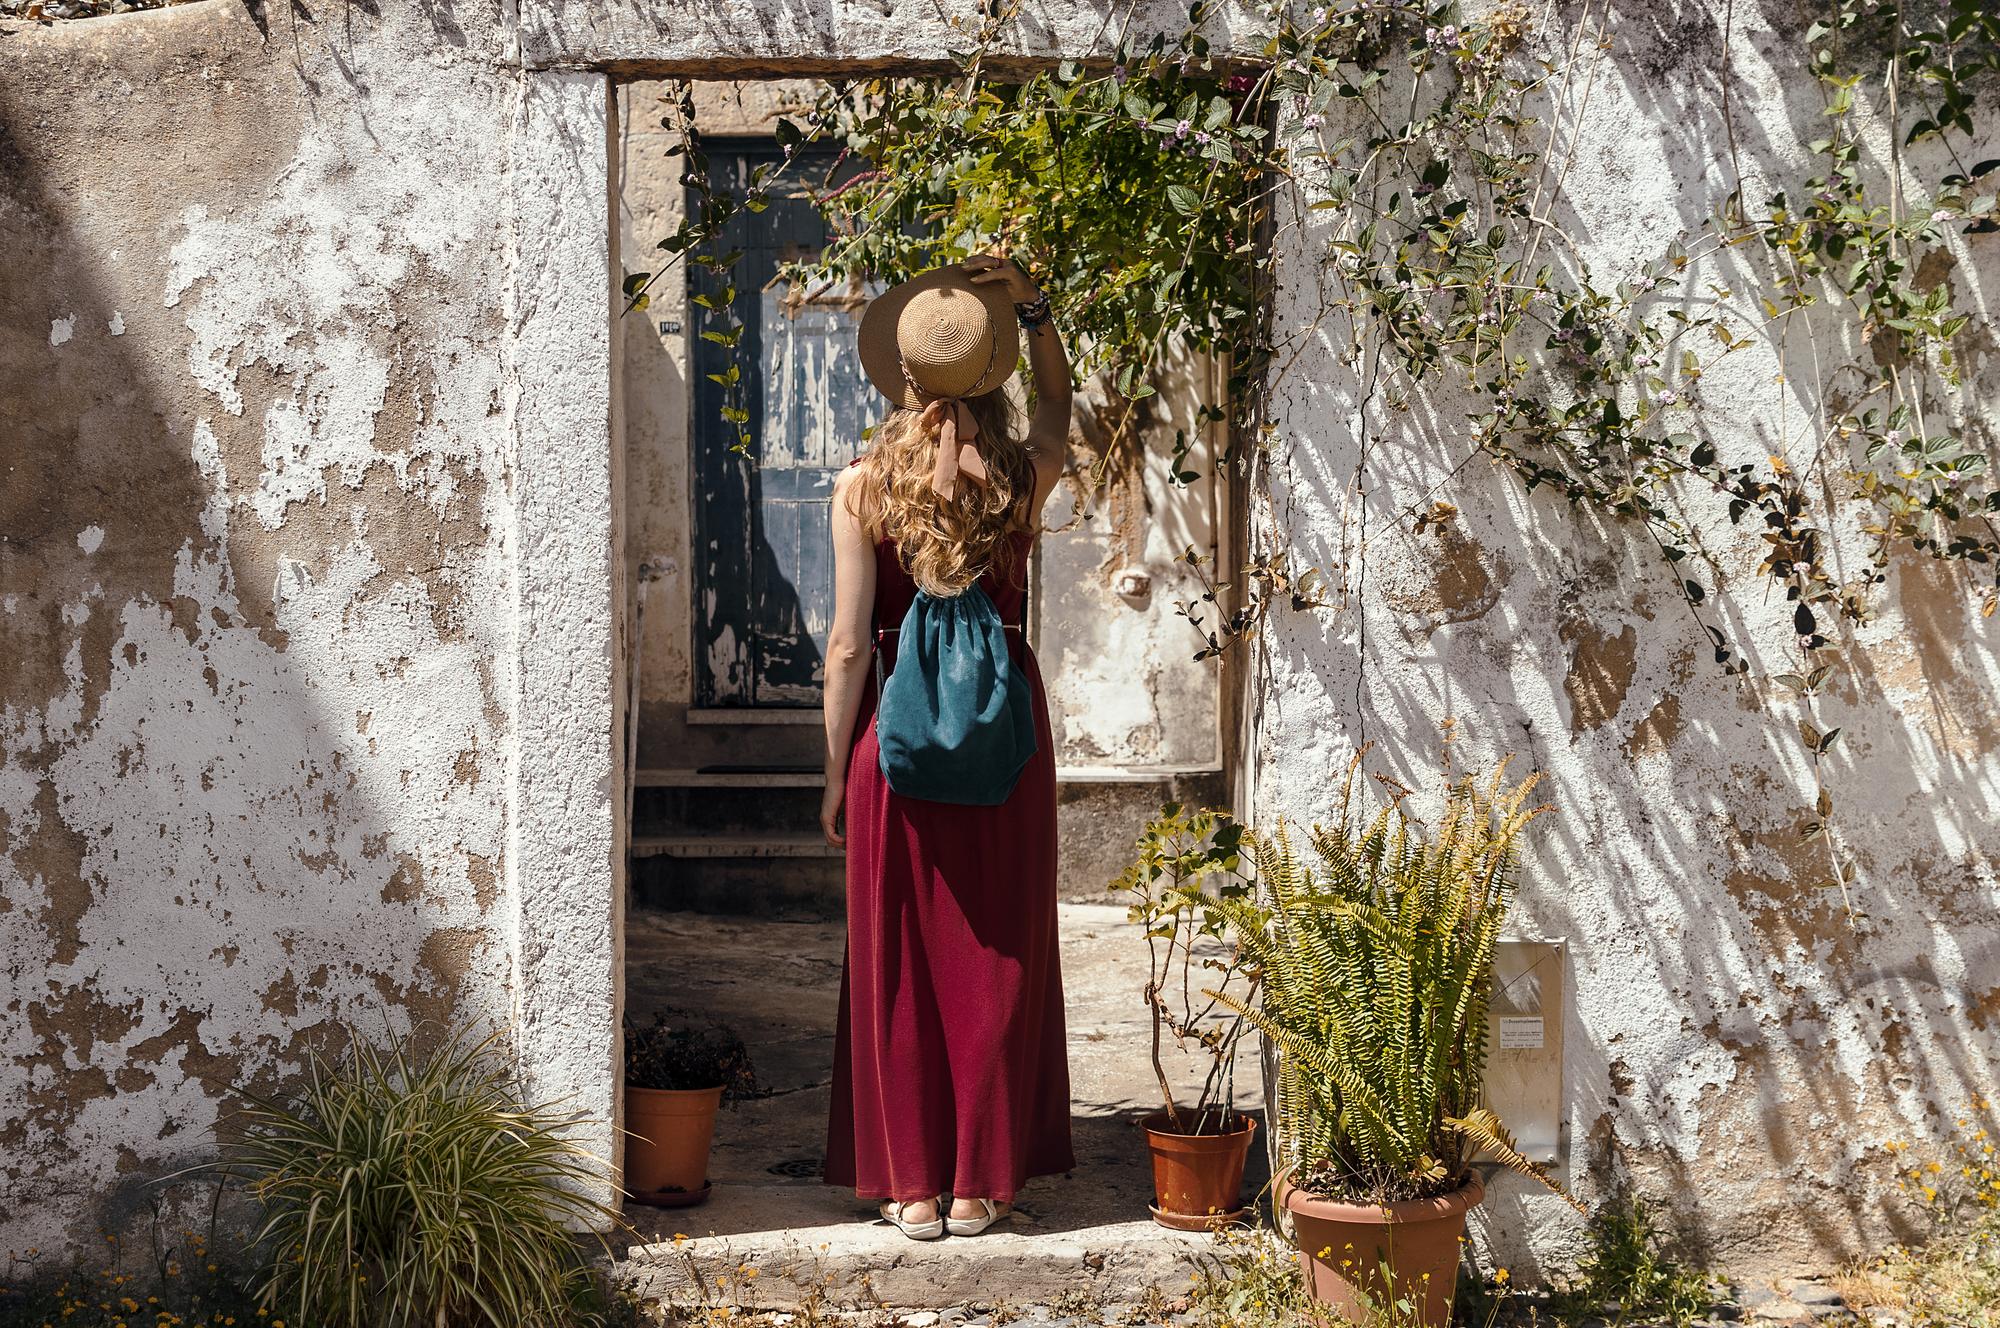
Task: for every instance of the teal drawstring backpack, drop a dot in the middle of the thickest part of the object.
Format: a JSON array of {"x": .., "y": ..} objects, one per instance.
[{"x": 954, "y": 720}]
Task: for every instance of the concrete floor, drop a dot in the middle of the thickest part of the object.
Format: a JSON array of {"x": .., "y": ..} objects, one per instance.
[{"x": 778, "y": 984}]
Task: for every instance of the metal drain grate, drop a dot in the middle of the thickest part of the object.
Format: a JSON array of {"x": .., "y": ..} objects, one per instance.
[{"x": 799, "y": 1168}]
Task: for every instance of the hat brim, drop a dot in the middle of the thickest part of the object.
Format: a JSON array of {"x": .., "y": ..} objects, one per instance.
[{"x": 876, "y": 338}]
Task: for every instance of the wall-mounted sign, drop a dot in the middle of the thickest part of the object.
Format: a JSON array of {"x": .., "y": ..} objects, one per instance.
[{"x": 1524, "y": 1054}]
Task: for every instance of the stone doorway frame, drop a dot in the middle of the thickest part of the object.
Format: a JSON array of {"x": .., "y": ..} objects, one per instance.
[{"x": 567, "y": 795}]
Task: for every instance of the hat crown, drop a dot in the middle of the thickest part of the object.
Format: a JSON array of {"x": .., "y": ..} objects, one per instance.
[
  {"x": 939, "y": 334},
  {"x": 945, "y": 338}
]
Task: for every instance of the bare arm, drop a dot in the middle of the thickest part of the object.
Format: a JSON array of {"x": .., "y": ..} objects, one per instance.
[
  {"x": 848, "y": 648},
  {"x": 1048, "y": 432}
]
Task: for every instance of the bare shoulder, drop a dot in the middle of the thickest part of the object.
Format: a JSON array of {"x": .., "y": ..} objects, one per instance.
[{"x": 850, "y": 493}]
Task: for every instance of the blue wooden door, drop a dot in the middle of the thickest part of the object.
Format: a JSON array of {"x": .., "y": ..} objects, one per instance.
[{"x": 764, "y": 556}]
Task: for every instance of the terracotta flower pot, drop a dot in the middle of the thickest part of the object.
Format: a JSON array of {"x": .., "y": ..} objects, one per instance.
[
  {"x": 668, "y": 1132},
  {"x": 1197, "y": 1178},
  {"x": 1344, "y": 1248}
]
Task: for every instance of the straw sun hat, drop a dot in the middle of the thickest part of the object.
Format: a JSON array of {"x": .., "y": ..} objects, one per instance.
[
  {"x": 939, "y": 334},
  {"x": 933, "y": 341}
]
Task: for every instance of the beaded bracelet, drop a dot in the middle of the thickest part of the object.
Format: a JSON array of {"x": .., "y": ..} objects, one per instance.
[{"x": 1034, "y": 313}]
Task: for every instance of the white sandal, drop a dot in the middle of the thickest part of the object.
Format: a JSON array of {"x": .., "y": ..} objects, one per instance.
[
  {"x": 892, "y": 1213},
  {"x": 972, "y": 1226}
]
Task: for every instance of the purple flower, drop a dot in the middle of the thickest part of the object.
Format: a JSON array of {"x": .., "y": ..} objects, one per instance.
[
  {"x": 1313, "y": 121},
  {"x": 1668, "y": 397},
  {"x": 1118, "y": 73},
  {"x": 1181, "y": 129},
  {"x": 1201, "y": 138}
]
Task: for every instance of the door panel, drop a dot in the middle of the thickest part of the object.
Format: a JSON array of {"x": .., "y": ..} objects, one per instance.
[{"x": 764, "y": 564}]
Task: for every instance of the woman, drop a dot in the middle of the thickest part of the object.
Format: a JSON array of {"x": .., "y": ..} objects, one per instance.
[{"x": 951, "y": 1080}]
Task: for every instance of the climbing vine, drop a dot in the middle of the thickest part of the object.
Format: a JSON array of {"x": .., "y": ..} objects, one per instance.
[{"x": 1426, "y": 154}]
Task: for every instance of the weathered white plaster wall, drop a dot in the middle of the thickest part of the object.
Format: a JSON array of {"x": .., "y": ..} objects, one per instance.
[
  {"x": 1125, "y": 691},
  {"x": 658, "y": 495},
  {"x": 305, "y": 576},
  {"x": 723, "y": 40},
  {"x": 309, "y": 599},
  {"x": 568, "y": 803},
  {"x": 308, "y": 684},
  {"x": 1735, "y": 1050}
]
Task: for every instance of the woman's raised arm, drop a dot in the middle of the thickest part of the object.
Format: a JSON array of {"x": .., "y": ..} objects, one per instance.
[{"x": 1048, "y": 432}]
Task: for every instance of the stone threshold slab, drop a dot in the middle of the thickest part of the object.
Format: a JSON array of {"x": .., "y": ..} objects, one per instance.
[{"x": 789, "y": 1246}]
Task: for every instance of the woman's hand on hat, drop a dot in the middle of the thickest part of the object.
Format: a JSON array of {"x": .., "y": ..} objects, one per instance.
[{"x": 985, "y": 269}]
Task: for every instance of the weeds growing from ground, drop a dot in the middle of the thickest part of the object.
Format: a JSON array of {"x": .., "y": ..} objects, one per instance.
[
  {"x": 1951, "y": 1280},
  {"x": 1249, "y": 1280},
  {"x": 188, "y": 1287},
  {"x": 1629, "y": 1265}
]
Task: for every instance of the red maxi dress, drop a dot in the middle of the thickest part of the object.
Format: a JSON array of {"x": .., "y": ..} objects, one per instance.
[{"x": 950, "y": 1071}]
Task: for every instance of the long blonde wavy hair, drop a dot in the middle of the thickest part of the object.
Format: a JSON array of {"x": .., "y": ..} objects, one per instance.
[{"x": 946, "y": 545}]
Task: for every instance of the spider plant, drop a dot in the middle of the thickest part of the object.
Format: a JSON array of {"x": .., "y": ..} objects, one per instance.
[
  {"x": 403, "y": 1188},
  {"x": 1375, "y": 960}
]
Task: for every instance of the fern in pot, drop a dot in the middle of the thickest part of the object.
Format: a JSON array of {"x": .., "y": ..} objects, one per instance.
[
  {"x": 1186, "y": 862},
  {"x": 1374, "y": 955}
]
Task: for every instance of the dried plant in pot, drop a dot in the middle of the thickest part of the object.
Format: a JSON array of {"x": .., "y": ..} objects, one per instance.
[
  {"x": 1184, "y": 863},
  {"x": 677, "y": 1075},
  {"x": 1375, "y": 963}
]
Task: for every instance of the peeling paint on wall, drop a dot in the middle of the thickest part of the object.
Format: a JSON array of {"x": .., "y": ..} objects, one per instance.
[
  {"x": 252, "y": 744},
  {"x": 1124, "y": 686},
  {"x": 1735, "y": 1050},
  {"x": 261, "y": 538}
]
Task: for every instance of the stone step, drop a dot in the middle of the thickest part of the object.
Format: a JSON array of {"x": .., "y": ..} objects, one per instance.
[
  {"x": 725, "y": 810},
  {"x": 697, "y": 845},
  {"x": 814, "y": 1245},
  {"x": 729, "y": 776},
  {"x": 733, "y": 838},
  {"x": 743, "y": 716},
  {"x": 777, "y": 983},
  {"x": 794, "y": 879},
  {"x": 674, "y": 743}
]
